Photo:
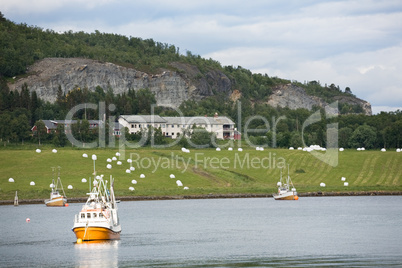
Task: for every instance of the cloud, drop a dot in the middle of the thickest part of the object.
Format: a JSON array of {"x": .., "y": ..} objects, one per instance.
[{"x": 45, "y": 6}]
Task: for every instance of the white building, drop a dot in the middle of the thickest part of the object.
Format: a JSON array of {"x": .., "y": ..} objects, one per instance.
[{"x": 174, "y": 127}]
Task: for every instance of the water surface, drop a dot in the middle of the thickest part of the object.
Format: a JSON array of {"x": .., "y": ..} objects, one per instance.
[{"x": 314, "y": 231}]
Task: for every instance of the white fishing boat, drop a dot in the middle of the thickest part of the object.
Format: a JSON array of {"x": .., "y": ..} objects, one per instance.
[
  {"x": 56, "y": 199},
  {"x": 98, "y": 218},
  {"x": 286, "y": 190}
]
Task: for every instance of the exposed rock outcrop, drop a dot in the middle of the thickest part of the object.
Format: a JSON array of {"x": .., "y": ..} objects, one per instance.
[
  {"x": 295, "y": 97},
  {"x": 171, "y": 88}
]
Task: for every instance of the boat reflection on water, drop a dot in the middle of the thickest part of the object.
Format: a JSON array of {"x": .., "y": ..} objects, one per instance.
[{"x": 98, "y": 253}]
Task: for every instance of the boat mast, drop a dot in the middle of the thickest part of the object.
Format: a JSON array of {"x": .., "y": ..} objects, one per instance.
[{"x": 59, "y": 181}]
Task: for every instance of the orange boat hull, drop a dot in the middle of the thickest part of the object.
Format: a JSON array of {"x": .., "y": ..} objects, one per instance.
[
  {"x": 95, "y": 233},
  {"x": 57, "y": 202},
  {"x": 290, "y": 197}
]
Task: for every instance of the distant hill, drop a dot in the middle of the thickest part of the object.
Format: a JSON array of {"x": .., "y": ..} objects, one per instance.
[{"x": 46, "y": 61}]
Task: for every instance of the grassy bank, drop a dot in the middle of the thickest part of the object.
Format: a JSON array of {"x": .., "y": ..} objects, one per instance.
[{"x": 202, "y": 171}]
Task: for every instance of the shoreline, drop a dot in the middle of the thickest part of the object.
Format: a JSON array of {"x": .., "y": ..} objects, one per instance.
[{"x": 209, "y": 196}]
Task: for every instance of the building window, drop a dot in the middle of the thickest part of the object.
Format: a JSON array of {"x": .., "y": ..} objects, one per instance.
[
  {"x": 172, "y": 134},
  {"x": 172, "y": 126},
  {"x": 139, "y": 125},
  {"x": 163, "y": 126},
  {"x": 132, "y": 126}
]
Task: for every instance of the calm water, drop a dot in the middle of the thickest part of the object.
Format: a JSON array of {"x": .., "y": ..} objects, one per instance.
[{"x": 315, "y": 231}]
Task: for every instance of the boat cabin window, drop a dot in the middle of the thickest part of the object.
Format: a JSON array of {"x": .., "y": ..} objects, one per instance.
[
  {"x": 101, "y": 215},
  {"x": 94, "y": 215},
  {"x": 88, "y": 215},
  {"x": 82, "y": 215}
]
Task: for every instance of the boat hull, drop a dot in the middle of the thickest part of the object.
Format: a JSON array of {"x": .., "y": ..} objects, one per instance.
[
  {"x": 95, "y": 233},
  {"x": 56, "y": 202},
  {"x": 286, "y": 196}
]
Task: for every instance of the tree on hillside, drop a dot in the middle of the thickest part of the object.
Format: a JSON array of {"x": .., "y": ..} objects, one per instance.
[
  {"x": 344, "y": 135},
  {"x": 363, "y": 136},
  {"x": 40, "y": 132}
]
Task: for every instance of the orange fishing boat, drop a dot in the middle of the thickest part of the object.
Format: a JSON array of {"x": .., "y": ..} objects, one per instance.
[
  {"x": 98, "y": 218},
  {"x": 56, "y": 199},
  {"x": 286, "y": 190}
]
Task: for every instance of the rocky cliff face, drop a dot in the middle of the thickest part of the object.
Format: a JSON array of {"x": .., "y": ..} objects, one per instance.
[
  {"x": 170, "y": 88},
  {"x": 295, "y": 97}
]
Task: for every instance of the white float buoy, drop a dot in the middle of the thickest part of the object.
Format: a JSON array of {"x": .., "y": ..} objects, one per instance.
[
  {"x": 185, "y": 188},
  {"x": 398, "y": 150},
  {"x": 109, "y": 160},
  {"x": 85, "y": 155},
  {"x": 240, "y": 149},
  {"x": 70, "y": 187},
  {"x": 172, "y": 176},
  {"x": 131, "y": 188},
  {"x": 383, "y": 150},
  {"x": 341, "y": 149},
  {"x": 343, "y": 179},
  {"x": 218, "y": 149},
  {"x": 128, "y": 171},
  {"x": 108, "y": 166},
  {"x": 142, "y": 176},
  {"x": 134, "y": 182},
  {"x": 54, "y": 151},
  {"x": 32, "y": 183},
  {"x": 322, "y": 184},
  {"x": 129, "y": 160},
  {"x": 94, "y": 157},
  {"x": 114, "y": 158},
  {"x": 291, "y": 148},
  {"x": 346, "y": 184},
  {"x": 132, "y": 168},
  {"x": 299, "y": 148},
  {"x": 179, "y": 183},
  {"x": 10, "y": 180},
  {"x": 117, "y": 154},
  {"x": 230, "y": 149},
  {"x": 118, "y": 163},
  {"x": 38, "y": 150},
  {"x": 51, "y": 185},
  {"x": 84, "y": 180}
]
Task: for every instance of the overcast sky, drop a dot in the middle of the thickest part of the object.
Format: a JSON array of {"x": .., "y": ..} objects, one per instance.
[{"x": 351, "y": 43}]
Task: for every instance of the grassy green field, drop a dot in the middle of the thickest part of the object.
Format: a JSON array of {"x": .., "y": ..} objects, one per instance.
[{"x": 203, "y": 171}]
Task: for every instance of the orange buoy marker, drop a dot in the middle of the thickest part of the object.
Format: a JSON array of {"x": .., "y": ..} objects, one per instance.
[
  {"x": 296, "y": 197},
  {"x": 28, "y": 220},
  {"x": 79, "y": 241},
  {"x": 66, "y": 205}
]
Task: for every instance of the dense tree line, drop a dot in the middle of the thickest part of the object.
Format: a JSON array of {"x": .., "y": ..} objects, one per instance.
[{"x": 278, "y": 127}]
